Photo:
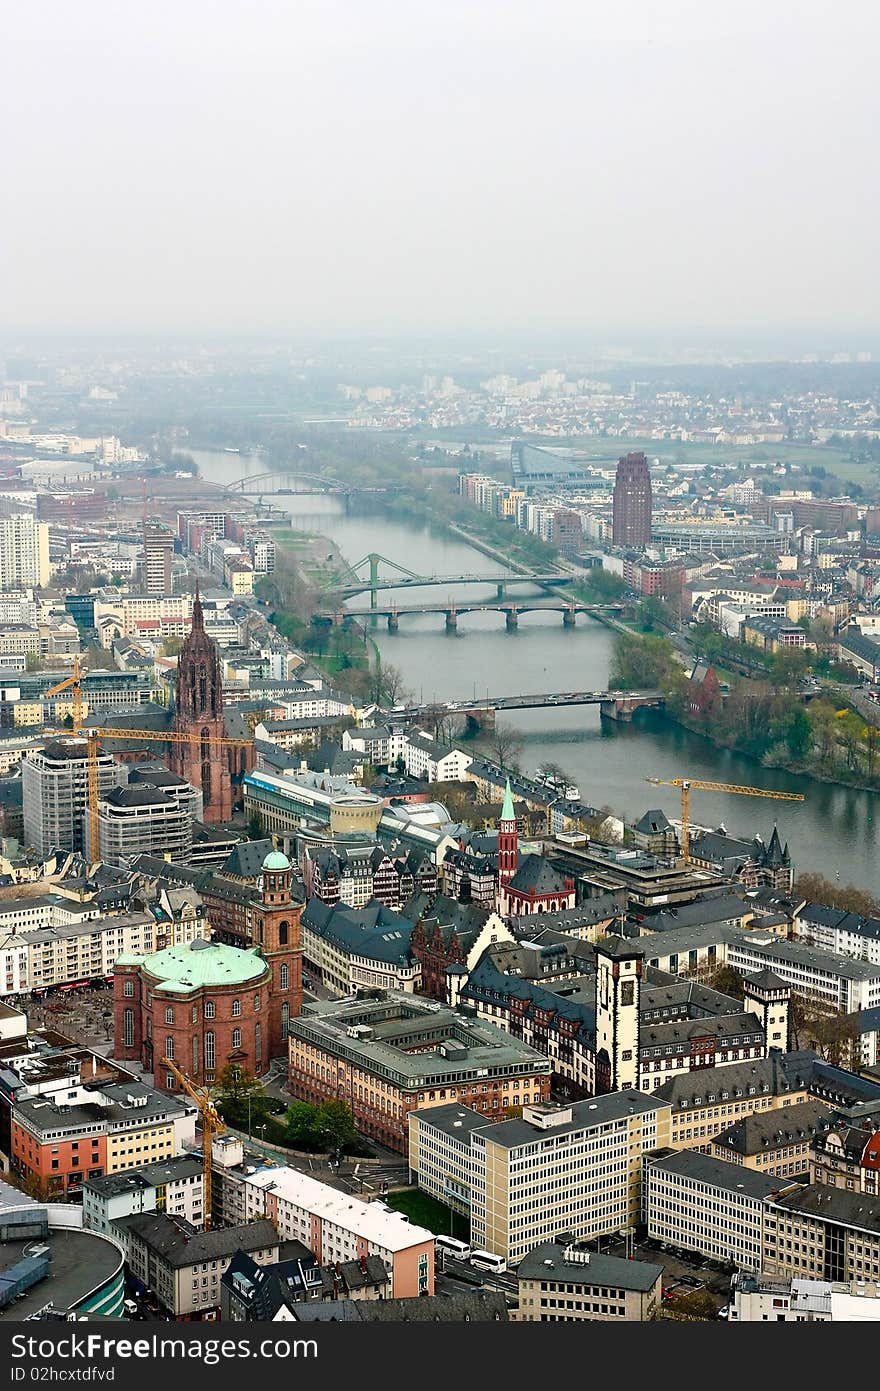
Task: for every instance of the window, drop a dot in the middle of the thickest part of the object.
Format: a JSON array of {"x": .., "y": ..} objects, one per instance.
[
  {"x": 169, "y": 1015},
  {"x": 169, "y": 1046},
  {"x": 285, "y": 1018},
  {"x": 258, "y": 1039},
  {"x": 257, "y": 1003},
  {"x": 236, "y": 1009},
  {"x": 128, "y": 989},
  {"x": 284, "y": 978},
  {"x": 128, "y": 1027},
  {"x": 236, "y": 1038},
  {"x": 209, "y": 1050},
  {"x": 283, "y": 929},
  {"x": 209, "y": 1009},
  {"x": 195, "y": 1062}
]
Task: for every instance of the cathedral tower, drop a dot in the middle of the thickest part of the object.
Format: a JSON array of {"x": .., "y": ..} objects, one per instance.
[{"x": 199, "y": 710}]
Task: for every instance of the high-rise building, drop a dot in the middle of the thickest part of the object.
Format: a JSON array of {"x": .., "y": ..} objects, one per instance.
[
  {"x": 158, "y": 550},
  {"x": 632, "y": 502},
  {"x": 24, "y": 553},
  {"x": 55, "y": 793},
  {"x": 142, "y": 819}
]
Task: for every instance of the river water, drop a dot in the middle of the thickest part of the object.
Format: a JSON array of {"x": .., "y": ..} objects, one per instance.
[{"x": 836, "y": 831}]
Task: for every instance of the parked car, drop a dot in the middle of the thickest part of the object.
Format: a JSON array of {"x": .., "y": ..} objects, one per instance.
[{"x": 724, "y": 1313}]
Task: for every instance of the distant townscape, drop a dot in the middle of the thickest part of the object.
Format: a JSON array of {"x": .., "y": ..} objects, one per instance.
[{"x": 321, "y": 999}]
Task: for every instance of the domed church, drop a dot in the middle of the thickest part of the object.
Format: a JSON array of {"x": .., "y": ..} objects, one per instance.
[{"x": 204, "y": 1004}]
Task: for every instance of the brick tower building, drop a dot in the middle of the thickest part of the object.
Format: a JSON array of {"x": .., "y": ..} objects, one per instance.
[
  {"x": 631, "y": 515},
  {"x": 508, "y": 839},
  {"x": 276, "y": 931},
  {"x": 199, "y": 709}
]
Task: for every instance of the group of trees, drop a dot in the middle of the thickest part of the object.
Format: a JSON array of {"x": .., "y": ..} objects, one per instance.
[
  {"x": 317, "y": 1127},
  {"x": 763, "y": 716}
]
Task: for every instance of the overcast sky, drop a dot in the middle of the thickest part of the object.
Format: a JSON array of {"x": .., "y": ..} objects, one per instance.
[{"x": 682, "y": 166}]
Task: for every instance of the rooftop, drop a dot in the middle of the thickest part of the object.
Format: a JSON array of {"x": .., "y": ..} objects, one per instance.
[
  {"x": 553, "y": 1261},
  {"x": 79, "y": 1262},
  {"x": 372, "y": 1221},
  {"x": 717, "y": 1173},
  {"x": 195, "y": 965}
]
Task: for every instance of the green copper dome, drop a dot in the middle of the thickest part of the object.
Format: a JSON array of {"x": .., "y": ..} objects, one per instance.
[
  {"x": 197, "y": 964},
  {"x": 277, "y": 860}
]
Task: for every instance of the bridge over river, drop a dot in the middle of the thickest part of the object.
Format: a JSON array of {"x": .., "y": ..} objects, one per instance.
[
  {"x": 614, "y": 705},
  {"x": 511, "y": 608}
]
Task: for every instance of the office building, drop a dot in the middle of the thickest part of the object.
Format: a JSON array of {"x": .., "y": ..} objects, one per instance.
[
  {"x": 158, "y": 550},
  {"x": 55, "y": 793},
  {"x": 702, "y": 1204},
  {"x": 398, "y": 1053},
  {"x": 24, "y": 553},
  {"x": 141, "y": 819},
  {"x": 60, "y": 1141},
  {"x": 631, "y": 525},
  {"x": 563, "y": 1282},
  {"x": 574, "y": 1168}
]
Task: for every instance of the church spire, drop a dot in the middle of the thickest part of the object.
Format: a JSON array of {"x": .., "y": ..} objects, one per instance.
[
  {"x": 198, "y": 618},
  {"x": 507, "y": 811}
]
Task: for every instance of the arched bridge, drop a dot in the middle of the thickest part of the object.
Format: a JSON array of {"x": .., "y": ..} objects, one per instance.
[
  {"x": 286, "y": 481},
  {"x": 511, "y": 608}
]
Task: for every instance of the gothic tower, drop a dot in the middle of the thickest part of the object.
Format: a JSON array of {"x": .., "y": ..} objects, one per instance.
[
  {"x": 618, "y": 989},
  {"x": 199, "y": 710},
  {"x": 276, "y": 930},
  {"x": 508, "y": 839}
]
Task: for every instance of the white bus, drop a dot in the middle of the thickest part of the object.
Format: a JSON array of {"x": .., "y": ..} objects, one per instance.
[
  {"x": 451, "y": 1246},
  {"x": 486, "y": 1260}
]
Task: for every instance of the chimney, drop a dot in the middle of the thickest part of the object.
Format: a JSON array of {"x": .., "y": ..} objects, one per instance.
[{"x": 363, "y": 1265}]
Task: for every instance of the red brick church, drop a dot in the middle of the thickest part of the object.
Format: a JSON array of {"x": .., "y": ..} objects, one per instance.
[{"x": 198, "y": 710}]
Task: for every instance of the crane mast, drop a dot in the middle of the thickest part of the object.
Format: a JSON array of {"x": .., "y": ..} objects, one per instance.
[
  {"x": 212, "y": 1125},
  {"x": 687, "y": 785}
]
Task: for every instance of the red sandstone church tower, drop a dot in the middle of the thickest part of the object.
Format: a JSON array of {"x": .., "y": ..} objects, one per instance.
[
  {"x": 199, "y": 709},
  {"x": 508, "y": 839},
  {"x": 276, "y": 930}
]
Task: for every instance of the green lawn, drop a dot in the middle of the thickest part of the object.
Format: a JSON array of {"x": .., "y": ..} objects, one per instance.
[{"x": 425, "y": 1211}]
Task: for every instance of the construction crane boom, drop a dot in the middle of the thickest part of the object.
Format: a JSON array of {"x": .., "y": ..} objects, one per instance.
[
  {"x": 688, "y": 785},
  {"x": 92, "y": 733},
  {"x": 212, "y": 1125}
]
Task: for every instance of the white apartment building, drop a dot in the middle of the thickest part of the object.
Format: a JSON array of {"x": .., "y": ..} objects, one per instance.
[
  {"x": 337, "y": 1226},
  {"x": 834, "y": 930},
  {"x": 14, "y": 973},
  {"x": 774, "y": 1299},
  {"x": 24, "y": 553},
  {"x": 425, "y": 758},
  {"x": 142, "y": 820},
  {"x": 175, "y": 1186},
  {"x": 574, "y": 1168}
]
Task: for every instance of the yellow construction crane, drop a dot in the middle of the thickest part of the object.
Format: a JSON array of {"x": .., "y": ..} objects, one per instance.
[
  {"x": 93, "y": 733},
  {"x": 688, "y": 785},
  {"x": 74, "y": 684},
  {"x": 212, "y": 1125}
]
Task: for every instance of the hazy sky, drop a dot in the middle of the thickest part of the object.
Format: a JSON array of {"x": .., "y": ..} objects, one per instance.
[{"x": 353, "y": 165}]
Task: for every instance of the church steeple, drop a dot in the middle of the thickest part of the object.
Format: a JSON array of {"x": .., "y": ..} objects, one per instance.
[{"x": 508, "y": 839}]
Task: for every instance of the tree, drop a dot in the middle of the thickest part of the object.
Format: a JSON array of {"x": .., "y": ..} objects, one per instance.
[
  {"x": 815, "y": 888},
  {"x": 727, "y": 981},
  {"x": 299, "y": 1125},
  {"x": 695, "y": 1304},
  {"x": 335, "y": 1125},
  {"x": 506, "y": 745},
  {"x": 236, "y": 1082},
  {"x": 388, "y": 684}
]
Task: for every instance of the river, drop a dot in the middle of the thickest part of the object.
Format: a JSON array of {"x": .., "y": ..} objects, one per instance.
[{"x": 836, "y": 831}]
